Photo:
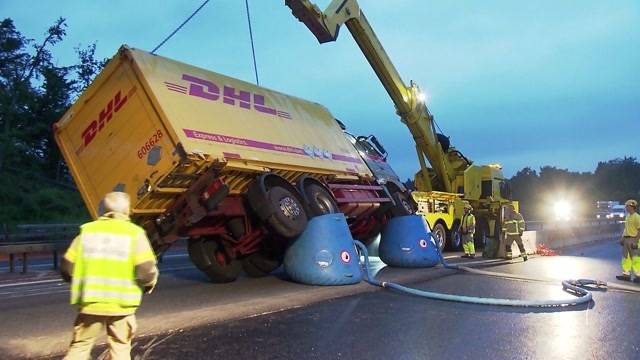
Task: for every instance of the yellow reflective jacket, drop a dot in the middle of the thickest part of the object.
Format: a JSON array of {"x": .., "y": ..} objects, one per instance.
[
  {"x": 468, "y": 224},
  {"x": 104, "y": 258}
]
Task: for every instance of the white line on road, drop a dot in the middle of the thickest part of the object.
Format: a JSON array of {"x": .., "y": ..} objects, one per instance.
[{"x": 30, "y": 283}]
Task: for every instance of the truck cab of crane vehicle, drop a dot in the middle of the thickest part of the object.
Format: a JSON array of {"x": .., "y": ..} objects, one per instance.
[
  {"x": 484, "y": 182},
  {"x": 375, "y": 156}
]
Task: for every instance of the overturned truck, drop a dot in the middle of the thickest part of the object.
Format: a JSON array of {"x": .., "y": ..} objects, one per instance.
[{"x": 234, "y": 168}]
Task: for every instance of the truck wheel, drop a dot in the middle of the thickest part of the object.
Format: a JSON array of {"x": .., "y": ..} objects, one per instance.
[
  {"x": 289, "y": 218},
  {"x": 208, "y": 256},
  {"x": 455, "y": 239},
  {"x": 403, "y": 205},
  {"x": 481, "y": 234},
  {"x": 440, "y": 234},
  {"x": 320, "y": 201},
  {"x": 258, "y": 264}
]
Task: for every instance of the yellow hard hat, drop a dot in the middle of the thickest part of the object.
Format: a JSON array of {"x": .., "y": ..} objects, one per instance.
[
  {"x": 467, "y": 205},
  {"x": 631, "y": 203}
]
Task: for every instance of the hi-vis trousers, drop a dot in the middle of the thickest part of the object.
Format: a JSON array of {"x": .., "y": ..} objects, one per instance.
[{"x": 630, "y": 256}]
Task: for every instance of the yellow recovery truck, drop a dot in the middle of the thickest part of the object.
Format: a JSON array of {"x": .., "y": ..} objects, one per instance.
[
  {"x": 235, "y": 168},
  {"x": 452, "y": 177}
]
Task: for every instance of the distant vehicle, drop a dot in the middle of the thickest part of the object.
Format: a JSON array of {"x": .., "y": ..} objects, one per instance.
[
  {"x": 611, "y": 210},
  {"x": 617, "y": 212}
]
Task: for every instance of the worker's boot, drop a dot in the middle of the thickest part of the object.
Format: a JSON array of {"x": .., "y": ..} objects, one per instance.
[
  {"x": 523, "y": 253},
  {"x": 624, "y": 277},
  {"x": 508, "y": 255},
  {"x": 472, "y": 256}
]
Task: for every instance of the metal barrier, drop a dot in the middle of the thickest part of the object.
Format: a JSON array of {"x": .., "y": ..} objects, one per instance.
[
  {"x": 553, "y": 225},
  {"x": 36, "y": 238}
]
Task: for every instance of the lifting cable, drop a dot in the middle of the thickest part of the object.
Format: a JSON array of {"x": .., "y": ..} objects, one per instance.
[
  {"x": 253, "y": 51},
  {"x": 179, "y": 27}
]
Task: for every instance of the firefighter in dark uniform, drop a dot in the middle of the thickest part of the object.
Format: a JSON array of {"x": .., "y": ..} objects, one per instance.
[{"x": 513, "y": 227}]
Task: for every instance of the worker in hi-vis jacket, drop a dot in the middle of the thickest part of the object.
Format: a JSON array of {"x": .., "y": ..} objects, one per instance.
[
  {"x": 467, "y": 229},
  {"x": 110, "y": 264}
]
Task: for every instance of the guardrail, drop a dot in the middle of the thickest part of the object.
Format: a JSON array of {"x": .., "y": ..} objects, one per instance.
[
  {"x": 36, "y": 238},
  {"x": 559, "y": 235},
  {"x": 553, "y": 225}
]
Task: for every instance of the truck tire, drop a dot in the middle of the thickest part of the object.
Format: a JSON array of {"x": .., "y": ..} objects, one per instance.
[
  {"x": 481, "y": 234},
  {"x": 454, "y": 239},
  {"x": 403, "y": 205},
  {"x": 440, "y": 234},
  {"x": 289, "y": 218},
  {"x": 319, "y": 200},
  {"x": 208, "y": 257}
]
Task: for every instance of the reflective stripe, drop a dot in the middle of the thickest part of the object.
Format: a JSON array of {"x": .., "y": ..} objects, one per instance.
[
  {"x": 513, "y": 226},
  {"x": 106, "y": 294},
  {"x": 468, "y": 224},
  {"x": 99, "y": 280},
  {"x": 104, "y": 271},
  {"x": 106, "y": 246}
]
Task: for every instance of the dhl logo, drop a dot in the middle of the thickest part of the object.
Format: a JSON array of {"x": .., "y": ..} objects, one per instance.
[
  {"x": 208, "y": 90},
  {"x": 104, "y": 116}
]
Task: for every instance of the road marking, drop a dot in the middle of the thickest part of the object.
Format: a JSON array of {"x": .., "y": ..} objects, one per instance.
[
  {"x": 60, "y": 281},
  {"x": 31, "y": 283}
]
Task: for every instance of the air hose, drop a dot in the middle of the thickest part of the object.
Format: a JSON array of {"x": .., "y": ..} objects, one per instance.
[{"x": 573, "y": 287}]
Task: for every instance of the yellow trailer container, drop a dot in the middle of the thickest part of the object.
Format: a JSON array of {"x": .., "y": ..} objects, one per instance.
[{"x": 220, "y": 161}]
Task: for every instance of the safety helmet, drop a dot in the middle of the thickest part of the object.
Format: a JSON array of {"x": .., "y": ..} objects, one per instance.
[
  {"x": 117, "y": 202},
  {"x": 631, "y": 202},
  {"x": 467, "y": 205}
]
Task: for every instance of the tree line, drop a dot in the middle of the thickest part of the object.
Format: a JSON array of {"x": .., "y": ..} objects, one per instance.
[
  {"x": 539, "y": 191},
  {"x": 36, "y": 186}
]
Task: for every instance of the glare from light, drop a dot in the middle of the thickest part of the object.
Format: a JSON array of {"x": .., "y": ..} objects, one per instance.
[
  {"x": 562, "y": 210},
  {"x": 421, "y": 97}
]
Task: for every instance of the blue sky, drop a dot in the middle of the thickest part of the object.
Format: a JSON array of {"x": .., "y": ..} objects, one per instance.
[{"x": 518, "y": 83}]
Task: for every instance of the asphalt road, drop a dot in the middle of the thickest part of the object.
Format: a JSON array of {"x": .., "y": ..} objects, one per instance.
[{"x": 272, "y": 318}]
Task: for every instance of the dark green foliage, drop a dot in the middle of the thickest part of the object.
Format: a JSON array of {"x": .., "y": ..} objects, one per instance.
[
  {"x": 35, "y": 186},
  {"x": 28, "y": 199},
  {"x": 619, "y": 179}
]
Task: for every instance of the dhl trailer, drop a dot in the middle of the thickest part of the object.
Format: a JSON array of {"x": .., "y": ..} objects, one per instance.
[{"x": 234, "y": 168}]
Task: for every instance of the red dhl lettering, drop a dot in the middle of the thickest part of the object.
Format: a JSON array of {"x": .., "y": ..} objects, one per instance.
[{"x": 105, "y": 115}]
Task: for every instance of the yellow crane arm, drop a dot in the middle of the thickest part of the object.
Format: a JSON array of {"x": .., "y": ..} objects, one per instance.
[{"x": 412, "y": 110}]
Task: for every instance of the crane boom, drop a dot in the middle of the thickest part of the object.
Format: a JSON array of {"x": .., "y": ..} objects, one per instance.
[{"x": 409, "y": 106}]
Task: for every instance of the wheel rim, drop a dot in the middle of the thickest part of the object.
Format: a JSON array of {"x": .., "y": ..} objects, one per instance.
[
  {"x": 407, "y": 205},
  {"x": 440, "y": 235},
  {"x": 289, "y": 207},
  {"x": 323, "y": 204},
  {"x": 456, "y": 240}
]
